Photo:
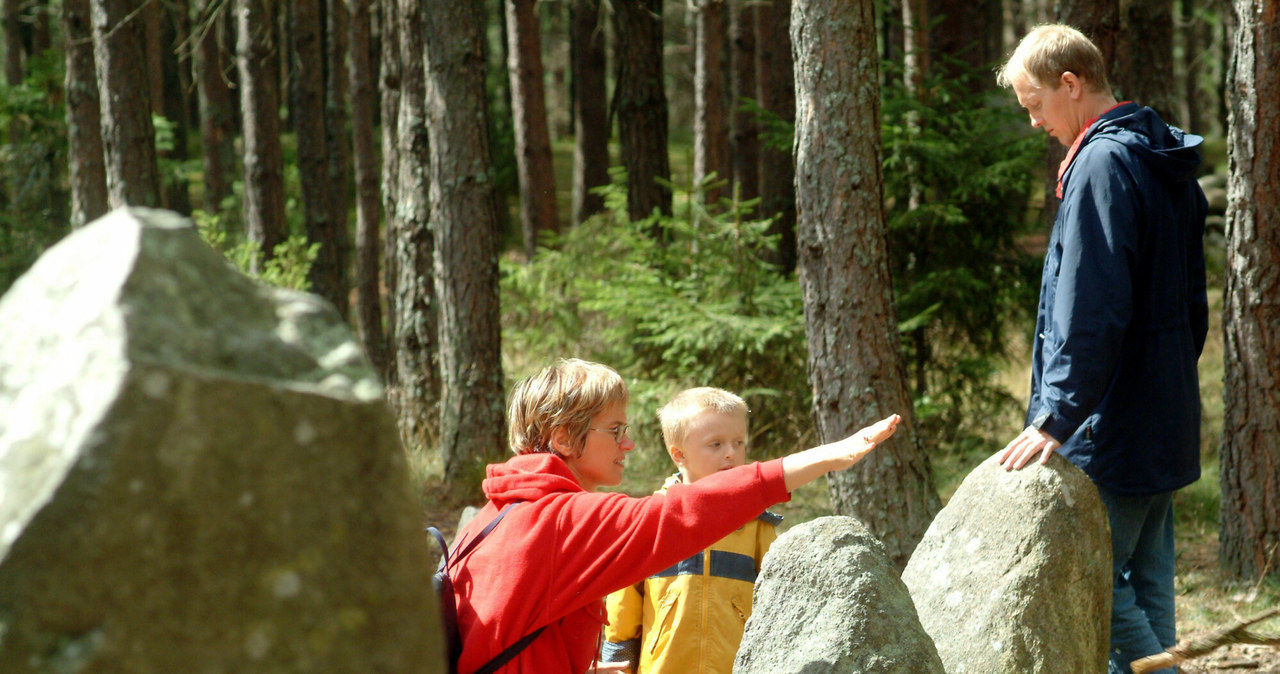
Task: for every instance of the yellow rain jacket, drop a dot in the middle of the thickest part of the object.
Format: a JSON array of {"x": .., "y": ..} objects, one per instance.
[{"x": 689, "y": 618}]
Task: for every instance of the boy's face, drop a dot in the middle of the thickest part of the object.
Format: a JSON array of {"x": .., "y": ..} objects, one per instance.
[{"x": 715, "y": 441}]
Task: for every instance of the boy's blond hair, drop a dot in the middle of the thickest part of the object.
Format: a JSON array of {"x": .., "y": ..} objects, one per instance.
[
  {"x": 676, "y": 415},
  {"x": 1050, "y": 50},
  {"x": 565, "y": 395}
]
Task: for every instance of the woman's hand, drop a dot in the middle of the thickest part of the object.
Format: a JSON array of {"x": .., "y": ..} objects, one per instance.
[{"x": 802, "y": 468}]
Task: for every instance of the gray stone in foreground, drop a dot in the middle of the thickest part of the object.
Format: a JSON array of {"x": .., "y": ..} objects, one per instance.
[
  {"x": 1014, "y": 574},
  {"x": 829, "y": 601},
  {"x": 197, "y": 473}
]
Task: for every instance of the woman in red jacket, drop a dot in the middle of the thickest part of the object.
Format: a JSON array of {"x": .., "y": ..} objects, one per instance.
[{"x": 550, "y": 562}]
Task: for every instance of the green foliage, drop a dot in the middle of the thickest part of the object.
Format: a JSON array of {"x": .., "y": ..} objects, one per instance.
[
  {"x": 287, "y": 269},
  {"x": 958, "y": 177},
  {"x": 671, "y": 302},
  {"x": 34, "y": 196}
]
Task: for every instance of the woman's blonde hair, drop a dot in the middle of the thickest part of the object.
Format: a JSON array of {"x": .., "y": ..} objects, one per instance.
[
  {"x": 676, "y": 415},
  {"x": 565, "y": 395},
  {"x": 1050, "y": 50}
]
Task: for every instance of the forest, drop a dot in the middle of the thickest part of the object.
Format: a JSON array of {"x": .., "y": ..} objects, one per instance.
[{"x": 827, "y": 206}]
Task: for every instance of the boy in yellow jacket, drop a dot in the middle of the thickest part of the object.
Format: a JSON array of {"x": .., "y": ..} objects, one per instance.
[{"x": 690, "y": 617}]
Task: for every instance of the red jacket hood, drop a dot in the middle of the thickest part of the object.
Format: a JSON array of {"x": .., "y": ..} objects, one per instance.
[{"x": 528, "y": 477}]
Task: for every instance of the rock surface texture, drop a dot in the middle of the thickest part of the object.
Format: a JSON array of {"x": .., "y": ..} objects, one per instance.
[
  {"x": 829, "y": 601},
  {"x": 197, "y": 472},
  {"x": 1014, "y": 574}
]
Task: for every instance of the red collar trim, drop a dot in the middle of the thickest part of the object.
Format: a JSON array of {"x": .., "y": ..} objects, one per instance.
[{"x": 1075, "y": 145}]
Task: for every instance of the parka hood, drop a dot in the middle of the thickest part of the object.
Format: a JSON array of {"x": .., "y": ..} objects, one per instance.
[
  {"x": 1172, "y": 154},
  {"x": 528, "y": 477}
]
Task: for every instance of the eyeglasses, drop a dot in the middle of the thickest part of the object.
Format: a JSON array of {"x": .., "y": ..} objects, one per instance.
[{"x": 618, "y": 432}]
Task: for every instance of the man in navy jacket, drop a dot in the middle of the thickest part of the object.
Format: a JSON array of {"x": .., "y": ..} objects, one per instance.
[{"x": 1121, "y": 322}]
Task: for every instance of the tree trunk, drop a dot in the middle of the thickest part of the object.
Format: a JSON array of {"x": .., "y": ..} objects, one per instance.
[
  {"x": 413, "y": 304},
  {"x": 256, "y": 61},
  {"x": 745, "y": 133},
  {"x": 777, "y": 165},
  {"x": 855, "y": 369},
  {"x": 368, "y": 210},
  {"x": 709, "y": 128},
  {"x": 128, "y": 137},
  {"x": 555, "y": 59},
  {"x": 465, "y": 221},
  {"x": 13, "y": 57},
  {"x": 217, "y": 111},
  {"x": 389, "y": 84},
  {"x": 529, "y": 112},
  {"x": 641, "y": 106},
  {"x": 88, "y": 174},
  {"x": 590, "y": 113},
  {"x": 1191, "y": 99},
  {"x": 151, "y": 15},
  {"x": 969, "y": 32},
  {"x": 1146, "y": 56},
  {"x": 175, "y": 66},
  {"x": 1250, "y": 514},
  {"x": 338, "y": 142}
]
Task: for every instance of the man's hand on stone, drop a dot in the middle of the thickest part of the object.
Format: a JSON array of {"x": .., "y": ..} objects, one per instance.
[{"x": 1023, "y": 448}]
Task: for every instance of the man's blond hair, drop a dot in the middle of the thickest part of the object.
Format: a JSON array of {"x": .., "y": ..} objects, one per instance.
[
  {"x": 1050, "y": 50},
  {"x": 565, "y": 395},
  {"x": 677, "y": 414}
]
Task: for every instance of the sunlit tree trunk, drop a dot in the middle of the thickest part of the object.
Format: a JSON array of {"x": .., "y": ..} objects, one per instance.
[
  {"x": 368, "y": 211},
  {"x": 84, "y": 127},
  {"x": 257, "y": 60},
  {"x": 1249, "y": 538},
  {"x": 590, "y": 118},
  {"x": 124, "y": 99},
  {"x": 465, "y": 225},
  {"x": 529, "y": 112},
  {"x": 389, "y": 84},
  {"x": 641, "y": 106},
  {"x": 855, "y": 369},
  {"x": 416, "y": 394},
  {"x": 709, "y": 129}
]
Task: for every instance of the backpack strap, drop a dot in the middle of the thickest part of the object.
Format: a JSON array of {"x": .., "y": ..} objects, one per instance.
[{"x": 509, "y": 652}]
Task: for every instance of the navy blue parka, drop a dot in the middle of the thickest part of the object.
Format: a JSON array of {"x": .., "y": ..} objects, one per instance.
[{"x": 1123, "y": 312}]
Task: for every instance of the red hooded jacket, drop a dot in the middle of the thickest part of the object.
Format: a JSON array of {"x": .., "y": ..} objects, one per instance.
[{"x": 553, "y": 560}]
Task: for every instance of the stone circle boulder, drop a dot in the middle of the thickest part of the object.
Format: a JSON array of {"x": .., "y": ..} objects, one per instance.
[
  {"x": 1014, "y": 574},
  {"x": 197, "y": 472}
]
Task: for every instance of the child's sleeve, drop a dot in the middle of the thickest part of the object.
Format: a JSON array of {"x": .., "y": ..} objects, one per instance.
[{"x": 622, "y": 633}]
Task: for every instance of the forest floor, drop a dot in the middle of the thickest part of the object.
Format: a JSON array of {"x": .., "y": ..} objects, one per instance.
[{"x": 1205, "y": 601}]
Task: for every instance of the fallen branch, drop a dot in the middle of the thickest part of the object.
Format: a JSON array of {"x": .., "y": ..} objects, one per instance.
[{"x": 1203, "y": 645}]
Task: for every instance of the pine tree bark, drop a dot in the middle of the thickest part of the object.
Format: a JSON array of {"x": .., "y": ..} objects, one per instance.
[
  {"x": 590, "y": 115},
  {"x": 529, "y": 113},
  {"x": 88, "y": 174},
  {"x": 777, "y": 165},
  {"x": 709, "y": 128},
  {"x": 13, "y": 56},
  {"x": 365, "y": 159},
  {"x": 1146, "y": 56},
  {"x": 389, "y": 83},
  {"x": 337, "y": 140},
  {"x": 465, "y": 219},
  {"x": 217, "y": 111},
  {"x": 416, "y": 394},
  {"x": 1249, "y": 538},
  {"x": 744, "y": 136},
  {"x": 128, "y": 136},
  {"x": 309, "y": 97},
  {"x": 855, "y": 367},
  {"x": 641, "y": 106},
  {"x": 257, "y": 61}
]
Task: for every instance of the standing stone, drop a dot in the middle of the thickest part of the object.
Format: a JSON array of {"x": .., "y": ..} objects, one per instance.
[
  {"x": 1014, "y": 575},
  {"x": 829, "y": 600},
  {"x": 197, "y": 472}
]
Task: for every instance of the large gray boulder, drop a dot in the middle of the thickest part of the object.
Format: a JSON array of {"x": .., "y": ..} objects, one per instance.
[
  {"x": 829, "y": 601},
  {"x": 1014, "y": 574},
  {"x": 197, "y": 472}
]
